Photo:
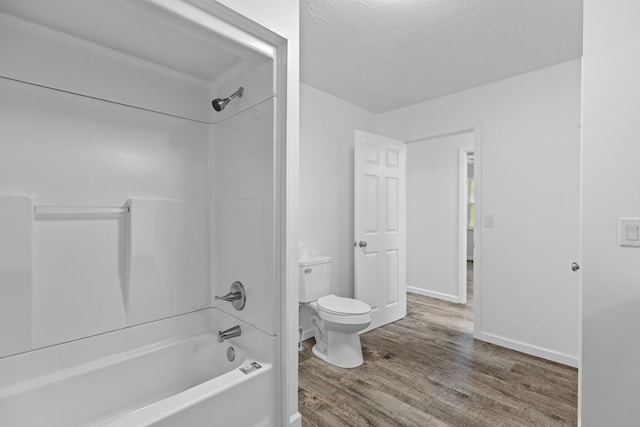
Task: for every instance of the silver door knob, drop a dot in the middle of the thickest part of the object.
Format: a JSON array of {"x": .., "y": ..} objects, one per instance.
[
  {"x": 362, "y": 244},
  {"x": 575, "y": 266}
]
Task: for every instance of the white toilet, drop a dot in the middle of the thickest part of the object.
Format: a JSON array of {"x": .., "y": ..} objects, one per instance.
[{"x": 335, "y": 321}]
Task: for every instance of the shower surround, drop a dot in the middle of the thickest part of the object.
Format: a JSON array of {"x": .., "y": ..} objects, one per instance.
[{"x": 128, "y": 205}]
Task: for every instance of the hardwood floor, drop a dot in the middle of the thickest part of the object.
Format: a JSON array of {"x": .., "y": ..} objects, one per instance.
[{"x": 427, "y": 370}]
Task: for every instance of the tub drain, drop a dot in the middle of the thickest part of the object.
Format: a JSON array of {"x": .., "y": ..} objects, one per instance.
[{"x": 231, "y": 354}]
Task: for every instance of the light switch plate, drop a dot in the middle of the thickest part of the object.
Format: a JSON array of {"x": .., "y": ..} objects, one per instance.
[
  {"x": 629, "y": 232},
  {"x": 487, "y": 221}
]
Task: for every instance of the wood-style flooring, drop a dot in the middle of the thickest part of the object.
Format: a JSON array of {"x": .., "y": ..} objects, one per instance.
[{"x": 427, "y": 370}]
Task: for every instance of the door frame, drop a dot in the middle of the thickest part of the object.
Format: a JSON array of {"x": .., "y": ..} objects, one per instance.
[{"x": 463, "y": 220}]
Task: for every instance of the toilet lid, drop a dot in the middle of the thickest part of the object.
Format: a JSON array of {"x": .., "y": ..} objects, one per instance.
[{"x": 345, "y": 306}]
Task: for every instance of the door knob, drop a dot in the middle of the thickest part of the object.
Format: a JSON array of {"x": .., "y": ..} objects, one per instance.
[
  {"x": 362, "y": 244},
  {"x": 575, "y": 266}
]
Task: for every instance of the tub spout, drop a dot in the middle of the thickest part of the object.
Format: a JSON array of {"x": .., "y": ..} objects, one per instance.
[{"x": 229, "y": 333}]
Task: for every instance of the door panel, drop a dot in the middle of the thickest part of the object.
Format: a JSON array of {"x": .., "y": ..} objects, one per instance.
[
  {"x": 392, "y": 204},
  {"x": 392, "y": 277},
  {"x": 370, "y": 213}
]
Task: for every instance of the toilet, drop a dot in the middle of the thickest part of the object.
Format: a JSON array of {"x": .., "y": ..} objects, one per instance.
[{"x": 336, "y": 321}]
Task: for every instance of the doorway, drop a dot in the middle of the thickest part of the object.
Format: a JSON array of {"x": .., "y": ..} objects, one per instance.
[{"x": 436, "y": 245}]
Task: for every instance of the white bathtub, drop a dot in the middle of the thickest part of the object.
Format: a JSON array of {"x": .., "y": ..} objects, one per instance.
[{"x": 167, "y": 373}]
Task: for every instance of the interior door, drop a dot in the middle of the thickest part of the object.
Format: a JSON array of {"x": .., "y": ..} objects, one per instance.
[{"x": 380, "y": 226}]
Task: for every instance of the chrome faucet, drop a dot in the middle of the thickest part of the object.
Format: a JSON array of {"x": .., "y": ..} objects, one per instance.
[{"x": 229, "y": 333}]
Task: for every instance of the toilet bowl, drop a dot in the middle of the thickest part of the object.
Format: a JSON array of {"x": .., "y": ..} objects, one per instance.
[{"x": 336, "y": 321}]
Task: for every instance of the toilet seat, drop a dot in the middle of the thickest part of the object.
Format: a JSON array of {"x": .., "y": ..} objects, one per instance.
[{"x": 336, "y": 305}]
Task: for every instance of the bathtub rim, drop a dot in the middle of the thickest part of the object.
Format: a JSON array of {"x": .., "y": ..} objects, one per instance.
[{"x": 159, "y": 410}]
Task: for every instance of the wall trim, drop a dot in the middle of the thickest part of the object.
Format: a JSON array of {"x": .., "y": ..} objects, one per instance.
[
  {"x": 532, "y": 350},
  {"x": 295, "y": 420},
  {"x": 433, "y": 294}
]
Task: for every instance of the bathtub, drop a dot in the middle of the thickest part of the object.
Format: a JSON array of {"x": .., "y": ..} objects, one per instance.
[{"x": 169, "y": 373}]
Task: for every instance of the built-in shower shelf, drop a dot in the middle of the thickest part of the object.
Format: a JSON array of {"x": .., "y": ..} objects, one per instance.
[{"x": 50, "y": 212}]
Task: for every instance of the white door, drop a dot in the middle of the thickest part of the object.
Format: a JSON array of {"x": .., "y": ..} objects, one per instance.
[{"x": 380, "y": 226}]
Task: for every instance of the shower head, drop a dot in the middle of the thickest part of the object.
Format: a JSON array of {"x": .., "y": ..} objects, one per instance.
[{"x": 219, "y": 103}]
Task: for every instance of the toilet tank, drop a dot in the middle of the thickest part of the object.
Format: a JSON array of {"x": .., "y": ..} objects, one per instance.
[{"x": 314, "y": 276}]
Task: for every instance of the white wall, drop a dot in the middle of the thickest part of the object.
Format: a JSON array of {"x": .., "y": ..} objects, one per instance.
[
  {"x": 529, "y": 296},
  {"x": 432, "y": 215},
  {"x": 610, "y": 374},
  {"x": 327, "y": 128}
]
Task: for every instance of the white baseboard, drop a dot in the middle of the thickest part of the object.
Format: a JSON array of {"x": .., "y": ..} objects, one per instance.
[
  {"x": 565, "y": 359},
  {"x": 295, "y": 420},
  {"x": 433, "y": 294}
]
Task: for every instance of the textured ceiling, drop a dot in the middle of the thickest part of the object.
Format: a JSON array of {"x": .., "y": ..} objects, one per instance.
[{"x": 386, "y": 54}]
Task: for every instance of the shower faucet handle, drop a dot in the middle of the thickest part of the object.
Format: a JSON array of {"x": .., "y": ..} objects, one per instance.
[
  {"x": 230, "y": 297},
  {"x": 236, "y": 296}
]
